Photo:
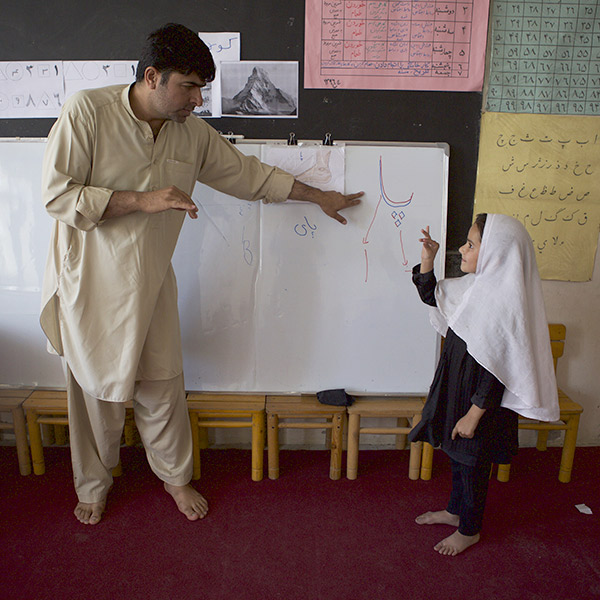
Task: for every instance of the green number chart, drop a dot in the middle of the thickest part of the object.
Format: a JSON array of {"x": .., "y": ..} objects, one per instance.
[{"x": 544, "y": 57}]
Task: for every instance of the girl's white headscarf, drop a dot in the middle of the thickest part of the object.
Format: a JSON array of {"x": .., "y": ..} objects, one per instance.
[{"x": 499, "y": 312}]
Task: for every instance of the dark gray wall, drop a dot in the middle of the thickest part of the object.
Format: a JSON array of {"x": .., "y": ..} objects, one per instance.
[{"x": 271, "y": 30}]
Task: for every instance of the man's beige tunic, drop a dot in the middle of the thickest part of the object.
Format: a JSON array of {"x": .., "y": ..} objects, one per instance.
[{"x": 109, "y": 299}]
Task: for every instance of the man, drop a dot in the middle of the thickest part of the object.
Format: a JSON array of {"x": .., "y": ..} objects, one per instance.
[{"x": 120, "y": 166}]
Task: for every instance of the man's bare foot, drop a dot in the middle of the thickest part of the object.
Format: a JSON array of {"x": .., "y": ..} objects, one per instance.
[
  {"x": 440, "y": 517},
  {"x": 190, "y": 502},
  {"x": 89, "y": 513},
  {"x": 456, "y": 543}
]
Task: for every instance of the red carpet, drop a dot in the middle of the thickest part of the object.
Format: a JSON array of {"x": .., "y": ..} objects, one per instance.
[{"x": 302, "y": 537}]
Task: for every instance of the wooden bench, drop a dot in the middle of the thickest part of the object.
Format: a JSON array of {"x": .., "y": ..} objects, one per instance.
[
  {"x": 212, "y": 410},
  {"x": 11, "y": 400},
  {"x": 568, "y": 422},
  {"x": 304, "y": 412},
  {"x": 406, "y": 411}
]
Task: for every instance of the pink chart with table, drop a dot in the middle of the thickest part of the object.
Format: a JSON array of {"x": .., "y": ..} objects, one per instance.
[{"x": 368, "y": 44}]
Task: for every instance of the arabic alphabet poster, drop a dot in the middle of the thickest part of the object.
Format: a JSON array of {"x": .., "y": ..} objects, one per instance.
[
  {"x": 388, "y": 45},
  {"x": 545, "y": 171}
]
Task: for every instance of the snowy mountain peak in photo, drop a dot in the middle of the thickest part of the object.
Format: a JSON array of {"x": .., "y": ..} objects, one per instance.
[{"x": 260, "y": 97}]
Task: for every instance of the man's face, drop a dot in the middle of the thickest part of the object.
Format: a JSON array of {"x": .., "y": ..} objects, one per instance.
[{"x": 176, "y": 96}]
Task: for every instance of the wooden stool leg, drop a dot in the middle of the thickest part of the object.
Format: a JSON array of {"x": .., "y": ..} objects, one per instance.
[
  {"x": 129, "y": 428},
  {"x": 48, "y": 434},
  {"x": 195, "y": 445},
  {"x": 21, "y": 440},
  {"x": 258, "y": 445},
  {"x": 35, "y": 440},
  {"x": 328, "y": 432},
  {"x": 401, "y": 437},
  {"x": 426, "y": 461},
  {"x": 273, "y": 445},
  {"x": 128, "y": 435},
  {"x": 414, "y": 466},
  {"x": 202, "y": 438},
  {"x": 542, "y": 439},
  {"x": 503, "y": 473},
  {"x": 60, "y": 435},
  {"x": 118, "y": 470},
  {"x": 335, "y": 465},
  {"x": 353, "y": 435},
  {"x": 568, "y": 452}
]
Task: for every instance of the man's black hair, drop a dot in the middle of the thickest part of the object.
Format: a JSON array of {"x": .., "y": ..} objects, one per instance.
[{"x": 174, "y": 47}]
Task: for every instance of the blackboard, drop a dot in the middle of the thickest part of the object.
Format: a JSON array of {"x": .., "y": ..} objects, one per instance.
[
  {"x": 270, "y": 30},
  {"x": 273, "y": 298}
]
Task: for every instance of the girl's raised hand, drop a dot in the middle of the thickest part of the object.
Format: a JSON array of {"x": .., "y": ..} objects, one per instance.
[{"x": 428, "y": 251}]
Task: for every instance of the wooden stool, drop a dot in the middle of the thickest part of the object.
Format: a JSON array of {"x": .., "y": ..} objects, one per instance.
[
  {"x": 11, "y": 400},
  {"x": 228, "y": 411},
  {"x": 49, "y": 407},
  {"x": 407, "y": 411},
  {"x": 301, "y": 408},
  {"x": 568, "y": 422}
]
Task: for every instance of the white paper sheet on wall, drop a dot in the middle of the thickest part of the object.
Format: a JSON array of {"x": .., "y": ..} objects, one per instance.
[
  {"x": 38, "y": 89},
  {"x": 32, "y": 89},
  {"x": 88, "y": 74},
  {"x": 315, "y": 164},
  {"x": 224, "y": 46}
]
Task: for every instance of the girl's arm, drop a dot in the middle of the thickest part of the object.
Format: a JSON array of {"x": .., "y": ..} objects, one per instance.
[
  {"x": 428, "y": 251},
  {"x": 423, "y": 276},
  {"x": 487, "y": 397},
  {"x": 465, "y": 427}
]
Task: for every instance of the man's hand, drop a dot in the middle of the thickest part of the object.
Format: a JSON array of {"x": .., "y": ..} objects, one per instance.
[
  {"x": 170, "y": 198},
  {"x": 167, "y": 198},
  {"x": 330, "y": 202}
]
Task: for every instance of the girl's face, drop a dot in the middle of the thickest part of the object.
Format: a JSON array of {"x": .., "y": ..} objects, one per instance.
[{"x": 470, "y": 251}]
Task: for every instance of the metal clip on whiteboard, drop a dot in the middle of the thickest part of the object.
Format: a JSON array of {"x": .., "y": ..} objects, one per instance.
[
  {"x": 327, "y": 140},
  {"x": 232, "y": 137},
  {"x": 292, "y": 141}
]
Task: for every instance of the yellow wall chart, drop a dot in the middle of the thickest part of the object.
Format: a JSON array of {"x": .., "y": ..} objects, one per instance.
[{"x": 545, "y": 171}]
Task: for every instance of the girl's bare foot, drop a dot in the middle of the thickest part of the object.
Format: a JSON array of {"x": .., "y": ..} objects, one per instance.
[
  {"x": 89, "y": 513},
  {"x": 456, "y": 543},
  {"x": 190, "y": 502},
  {"x": 440, "y": 517}
]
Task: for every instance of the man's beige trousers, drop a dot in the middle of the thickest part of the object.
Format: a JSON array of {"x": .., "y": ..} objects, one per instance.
[{"x": 95, "y": 428}]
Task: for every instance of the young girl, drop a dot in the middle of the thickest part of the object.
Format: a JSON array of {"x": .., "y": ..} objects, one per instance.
[{"x": 496, "y": 362}]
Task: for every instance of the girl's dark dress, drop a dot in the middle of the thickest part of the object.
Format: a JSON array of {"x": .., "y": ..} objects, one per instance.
[{"x": 460, "y": 381}]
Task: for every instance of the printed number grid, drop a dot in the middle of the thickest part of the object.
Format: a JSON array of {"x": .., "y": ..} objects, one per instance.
[
  {"x": 418, "y": 38},
  {"x": 545, "y": 57}
]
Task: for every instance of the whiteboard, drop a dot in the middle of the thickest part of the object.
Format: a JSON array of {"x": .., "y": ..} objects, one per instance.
[
  {"x": 24, "y": 237},
  {"x": 272, "y": 298}
]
